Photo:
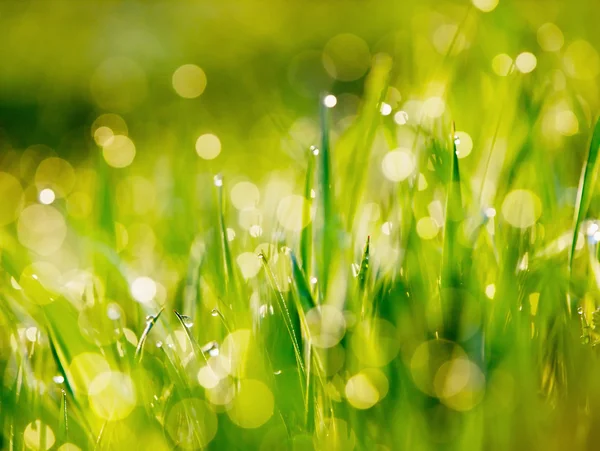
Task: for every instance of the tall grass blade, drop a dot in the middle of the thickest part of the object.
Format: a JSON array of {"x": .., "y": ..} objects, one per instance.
[
  {"x": 587, "y": 182},
  {"x": 150, "y": 322},
  {"x": 326, "y": 217},
  {"x": 451, "y": 258},
  {"x": 287, "y": 318},
  {"x": 186, "y": 322},
  {"x": 304, "y": 294},
  {"x": 63, "y": 426},
  {"x": 364, "y": 131},
  {"x": 229, "y": 274}
]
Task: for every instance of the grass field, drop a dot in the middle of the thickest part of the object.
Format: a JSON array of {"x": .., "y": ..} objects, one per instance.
[{"x": 368, "y": 227}]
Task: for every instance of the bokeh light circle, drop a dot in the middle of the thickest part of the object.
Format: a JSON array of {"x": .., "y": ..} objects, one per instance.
[
  {"x": 189, "y": 81},
  {"x": 11, "y": 194},
  {"x": 191, "y": 423},
  {"x": 253, "y": 404},
  {"x": 346, "y": 57},
  {"x": 521, "y": 208}
]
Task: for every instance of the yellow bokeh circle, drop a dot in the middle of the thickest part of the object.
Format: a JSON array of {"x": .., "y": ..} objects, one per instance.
[
  {"x": 189, "y": 81},
  {"x": 191, "y": 423},
  {"x": 521, "y": 208},
  {"x": 252, "y": 405},
  {"x": 11, "y": 194},
  {"x": 112, "y": 395}
]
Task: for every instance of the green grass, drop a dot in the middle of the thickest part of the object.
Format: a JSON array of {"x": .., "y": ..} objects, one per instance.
[{"x": 453, "y": 305}]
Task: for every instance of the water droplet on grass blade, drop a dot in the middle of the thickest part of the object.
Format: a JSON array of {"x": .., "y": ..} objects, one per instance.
[
  {"x": 592, "y": 228},
  {"x": 218, "y": 180},
  {"x": 401, "y": 117},
  {"x": 330, "y": 101},
  {"x": 314, "y": 150},
  {"x": 490, "y": 212},
  {"x": 211, "y": 348},
  {"x": 113, "y": 313},
  {"x": 187, "y": 321},
  {"x": 386, "y": 109}
]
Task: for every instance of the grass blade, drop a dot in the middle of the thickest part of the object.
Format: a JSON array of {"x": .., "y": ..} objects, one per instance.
[
  {"x": 451, "y": 260},
  {"x": 306, "y": 236},
  {"x": 587, "y": 182},
  {"x": 325, "y": 210},
  {"x": 287, "y": 318},
  {"x": 229, "y": 275},
  {"x": 184, "y": 321},
  {"x": 306, "y": 300},
  {"x": 150, "y": 322}
]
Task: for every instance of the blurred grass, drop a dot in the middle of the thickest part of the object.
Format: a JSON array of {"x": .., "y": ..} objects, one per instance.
[{"x": 352, "y": 273}]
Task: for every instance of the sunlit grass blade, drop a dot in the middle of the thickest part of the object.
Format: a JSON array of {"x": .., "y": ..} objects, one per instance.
[
  {"x": 326, "y": 216},
  {"x": 587, "y": 183},
  {"x": 306, "y": 236},
  {"x": 306, "y": 300},
  {"x": 98, "y": 444},
  {"x": 186, "y": 322},
  {"x": 285, "y": 312},
  {"x": 451, "y": 258},
  {"x": 63, "y": 426},
  {"x": 364, "y": 266},
  {"x": 363, "y": 133},
  {"x": 229, "y": 276},
  {"x": 150, "y": 322},
  {"x": 105, "y": 223}
]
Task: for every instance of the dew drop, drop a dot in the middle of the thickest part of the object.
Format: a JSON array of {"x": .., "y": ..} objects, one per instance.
[
  {"x": 385, "y": 109},
  {"x": 159, "y": 344},
  {"x": 187, "y": 321},
  {"x": 314, "y": 150},
  {"x": 456, "y": 140},
  {"x": 113, "y": 313},
  {"x": 490, "y": 212},
  {"x": 215, "y": 312},
  {"x": 218, "y": 180},
  {"x": 401, "y": 117},
  {"x": 330, "y": 101},
  {"x": 277, "y": 373},
  {"x": 58, "y": 379},
  {"x": 211, "y": 348}
]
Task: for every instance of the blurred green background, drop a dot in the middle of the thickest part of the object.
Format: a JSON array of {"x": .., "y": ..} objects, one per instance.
[{"x": 369, "y": 217}]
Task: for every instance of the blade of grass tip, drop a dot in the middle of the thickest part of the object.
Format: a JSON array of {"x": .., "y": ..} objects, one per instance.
[
  {"x": 307, "y": 232},
  {"x": 150, "y": 322},
  {"x": 451, "y": 261},
  {"x": 287, "y": 318},
  {"x": 228, "y": 267},
  {"x": 587, "y": 182},
  {"x": 187, "y": 323},
  {"x": 306, "y": 300}
]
